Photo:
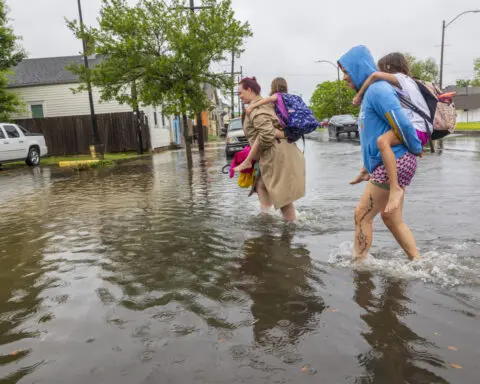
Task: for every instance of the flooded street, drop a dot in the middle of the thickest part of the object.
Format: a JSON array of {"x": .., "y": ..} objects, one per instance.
[{"x": 149, "y": 273}]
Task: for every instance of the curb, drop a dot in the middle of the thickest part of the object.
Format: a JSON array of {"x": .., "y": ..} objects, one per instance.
[
  {"x": 85, "y": 164},
  {"x": 467, "y": 133},
  {"x": 77, "y": 163}
]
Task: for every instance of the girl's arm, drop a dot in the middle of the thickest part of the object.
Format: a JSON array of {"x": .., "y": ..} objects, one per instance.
[
  {"x": 374, "y": 77},
  {"x": 267, "y": 100}
]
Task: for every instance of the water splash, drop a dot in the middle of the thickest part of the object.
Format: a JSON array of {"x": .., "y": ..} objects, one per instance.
[{"x": 447, "y": 268}]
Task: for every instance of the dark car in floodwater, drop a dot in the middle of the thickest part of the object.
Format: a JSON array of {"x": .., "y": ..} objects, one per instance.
[{"x": 342, "y": 124}]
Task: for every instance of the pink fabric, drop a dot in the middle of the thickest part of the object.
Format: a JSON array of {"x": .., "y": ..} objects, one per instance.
[
  {"x": 406, "y": 168},
  {"x": 423, "y": 136},
  {"x": 238, "y": 159}
]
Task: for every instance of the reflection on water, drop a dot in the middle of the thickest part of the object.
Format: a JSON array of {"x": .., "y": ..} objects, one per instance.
[
  {"x": 397, "y": 353},
  {"x": 149, "y": 272},
  {"x": 285, "y": 303}
]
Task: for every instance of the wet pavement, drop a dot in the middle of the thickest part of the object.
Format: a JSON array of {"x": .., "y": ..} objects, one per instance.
[{"x": 149, "y": 273}]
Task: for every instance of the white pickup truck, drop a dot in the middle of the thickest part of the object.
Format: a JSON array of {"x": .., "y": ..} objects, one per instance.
[{"x": 16, "y": 143}]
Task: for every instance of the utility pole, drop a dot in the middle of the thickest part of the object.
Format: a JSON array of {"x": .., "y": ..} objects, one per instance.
[
  {"x": 96, "y": 149},
  {"x": 441, "y": 53},
  {"x": 201, "y": 139},
  {"x": 233, "y": 93},
  {"x": 240, "y": 101},
  {"x": 233, "y": 87}
]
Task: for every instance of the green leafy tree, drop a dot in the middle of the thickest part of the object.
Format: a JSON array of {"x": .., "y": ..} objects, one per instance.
[
  {"x": 476, "y": 76},
  {"x": 423, "y": 69},
  {"x": 10, "y": 55},
  {"x": 476, "y": 70},
  {"x": 325, "y": 102},
  {"x": 164, "y": 51},
  {"x": 463, "y": 83}
]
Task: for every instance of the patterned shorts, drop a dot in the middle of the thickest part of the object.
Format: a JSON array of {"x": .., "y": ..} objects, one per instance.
[{"x": 406, "y": 167}]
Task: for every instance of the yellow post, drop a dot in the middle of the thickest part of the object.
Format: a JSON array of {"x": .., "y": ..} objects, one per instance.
[{"x": 96, "y": 151}]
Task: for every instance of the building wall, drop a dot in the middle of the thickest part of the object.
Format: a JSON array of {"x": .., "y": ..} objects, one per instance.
[
  {"x": 472, "y": 115},
  {"x": 59, "y": 100},
  {"x": 160, "y": 128}
]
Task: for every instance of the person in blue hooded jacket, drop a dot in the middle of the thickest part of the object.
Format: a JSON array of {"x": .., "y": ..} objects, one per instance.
[{"x": 380, "y": 111}]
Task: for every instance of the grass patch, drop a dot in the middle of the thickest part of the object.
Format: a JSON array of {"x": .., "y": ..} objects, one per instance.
[
  {"x": 109, "y": 159},
  {"x": 100, "y": 163},
  {"x": 475, "y": 126},
  {"x": 214, "y": 138},
  {"x": 321, "y": 129}
]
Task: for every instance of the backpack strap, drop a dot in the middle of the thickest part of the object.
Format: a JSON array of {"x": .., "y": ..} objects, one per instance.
[
  {"x": 282, "y": 109},
  {"x": 408, "y": 103}
]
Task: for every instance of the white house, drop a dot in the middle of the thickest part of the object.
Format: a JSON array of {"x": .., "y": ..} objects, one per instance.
[{"x": 45, "y": 86}]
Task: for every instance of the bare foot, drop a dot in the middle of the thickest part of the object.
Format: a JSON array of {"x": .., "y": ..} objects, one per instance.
[
  {"x": 362, "y": 176},
  {"x": 245, "y": 165},
  {"x": 414, "y": 258},
  {"x": 394, "y": 200}
]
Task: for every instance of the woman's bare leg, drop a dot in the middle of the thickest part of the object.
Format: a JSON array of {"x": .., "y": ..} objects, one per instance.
[
  {"x": 289, "y": 213},
  {"x": 265, "y": 201},
  {"x": 373, "y": 201},
  {"x": 401, "y": 232},
  {"x": 385, "y": 144}
]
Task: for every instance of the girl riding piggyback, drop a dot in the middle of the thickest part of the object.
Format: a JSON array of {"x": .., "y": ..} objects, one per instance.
[{"x": 279, "y": 86}]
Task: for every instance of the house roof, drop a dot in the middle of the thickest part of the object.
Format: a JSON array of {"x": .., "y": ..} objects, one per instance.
[
  {"x": 46, "y": 71},
  {"x": 463, "y": 90},
  {"x": 466, "y": 97}
]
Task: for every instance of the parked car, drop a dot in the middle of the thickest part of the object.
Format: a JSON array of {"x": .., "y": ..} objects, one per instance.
[
  {"x": 236, "y": 139},
  {"x": 342, "y": 124},
  {"x": 224, "y": 130},
  {"x": 16, "y": 143}
]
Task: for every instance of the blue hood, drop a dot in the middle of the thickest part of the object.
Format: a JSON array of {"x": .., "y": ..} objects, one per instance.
[
  {"x": 359, "y": 64},
  {"x": 381, "y": 110}
]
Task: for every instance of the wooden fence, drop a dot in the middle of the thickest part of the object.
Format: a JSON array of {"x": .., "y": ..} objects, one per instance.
[{"x": 72, "y": 135}]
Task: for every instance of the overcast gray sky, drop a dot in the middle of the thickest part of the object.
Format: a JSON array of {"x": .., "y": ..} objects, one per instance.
[{"x": 289, "y": 37}]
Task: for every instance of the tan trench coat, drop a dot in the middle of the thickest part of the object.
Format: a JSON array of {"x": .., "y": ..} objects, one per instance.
[{"x": 282, "y": 164}]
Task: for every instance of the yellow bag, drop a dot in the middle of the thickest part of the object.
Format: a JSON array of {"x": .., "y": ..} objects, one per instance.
[{"x": 245, "y": 180}]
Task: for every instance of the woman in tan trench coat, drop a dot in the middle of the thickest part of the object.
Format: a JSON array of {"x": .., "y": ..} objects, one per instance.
[{"x": 282, "y": 165}]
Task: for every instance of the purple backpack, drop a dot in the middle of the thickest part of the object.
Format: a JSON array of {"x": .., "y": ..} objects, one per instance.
[{"x": 294, "y": 115}]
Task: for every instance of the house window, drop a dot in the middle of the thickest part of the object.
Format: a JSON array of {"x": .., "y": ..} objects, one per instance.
[
  {"x": 163, "y": 119},
  {"x": 155, "y": 118},
  {"x": 37, "y": 111}
]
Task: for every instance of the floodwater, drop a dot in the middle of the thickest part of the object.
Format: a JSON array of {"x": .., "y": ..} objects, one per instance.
[{"x": 149, "y": 273}]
